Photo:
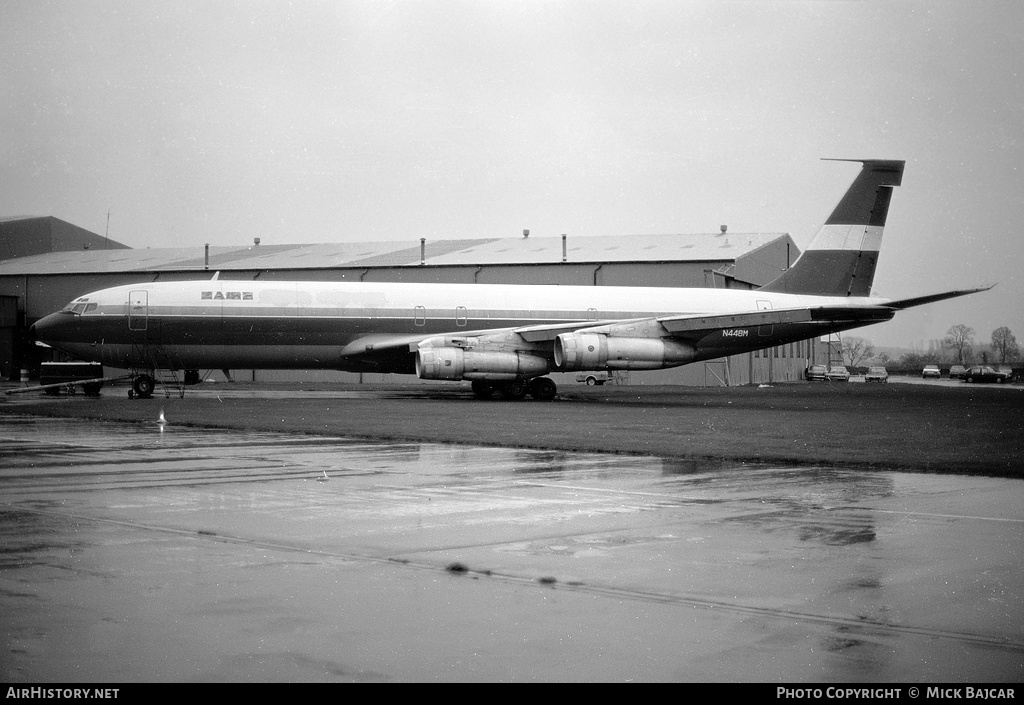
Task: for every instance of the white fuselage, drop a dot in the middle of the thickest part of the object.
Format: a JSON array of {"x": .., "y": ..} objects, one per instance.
[{"x": 303, "y": 325}]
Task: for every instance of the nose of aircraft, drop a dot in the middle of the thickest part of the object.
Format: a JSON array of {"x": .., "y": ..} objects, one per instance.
[{"x": 43, "y": 330}]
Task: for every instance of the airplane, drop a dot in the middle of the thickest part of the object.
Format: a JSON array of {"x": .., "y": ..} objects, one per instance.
[{"x": 502, "y": 338}]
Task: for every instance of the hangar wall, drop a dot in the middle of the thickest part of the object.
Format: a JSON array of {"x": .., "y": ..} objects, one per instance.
[
  {"x": 42, "y": 285},
  {"x": 25, "y": 236},
  {"x": 8, "y": 331}
]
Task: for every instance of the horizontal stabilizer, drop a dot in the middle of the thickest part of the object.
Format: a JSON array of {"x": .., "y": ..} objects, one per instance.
[
  {"x": 921, "y": 300},
  {"x": 864, "y": 315}
]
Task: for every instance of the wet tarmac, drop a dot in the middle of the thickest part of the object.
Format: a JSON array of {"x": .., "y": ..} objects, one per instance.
[{"x": 151, "y": 552}]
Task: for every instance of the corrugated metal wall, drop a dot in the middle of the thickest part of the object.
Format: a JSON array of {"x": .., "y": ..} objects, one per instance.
[{"x": 40, "y": 294}]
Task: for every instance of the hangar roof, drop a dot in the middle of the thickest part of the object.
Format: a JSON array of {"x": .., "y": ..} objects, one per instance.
[{"x": 520, "y": 250}]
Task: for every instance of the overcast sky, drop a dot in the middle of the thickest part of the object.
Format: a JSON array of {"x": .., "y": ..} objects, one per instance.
[{"x": 210, "y": 121}]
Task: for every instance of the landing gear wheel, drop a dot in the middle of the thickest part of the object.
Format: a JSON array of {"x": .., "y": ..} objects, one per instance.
[
  {"x": 513, "y": 390},
  {"x": 543, "y": 389},
  {"x": 143, "y": 386},
  {"x": 482, "y": 389}
]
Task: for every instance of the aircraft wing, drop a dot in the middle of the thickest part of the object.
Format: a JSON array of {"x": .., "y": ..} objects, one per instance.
[
  {"x": 548, "y": 332},
  {"x": 382, "y": 344},
  {"x": 684, "y": 326},
  {"x": 381, "y": 353}
]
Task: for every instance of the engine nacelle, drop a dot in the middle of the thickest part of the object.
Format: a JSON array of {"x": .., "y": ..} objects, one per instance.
[
  {"x": 594, "y": 351},
  {"x": 456, "y": 363}
]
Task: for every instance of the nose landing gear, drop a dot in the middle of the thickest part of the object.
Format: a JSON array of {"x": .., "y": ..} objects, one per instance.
[{"x": 142, "y": 387}]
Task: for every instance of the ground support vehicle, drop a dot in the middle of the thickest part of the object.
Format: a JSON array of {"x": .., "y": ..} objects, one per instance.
[{"x": 55, "y": 376}]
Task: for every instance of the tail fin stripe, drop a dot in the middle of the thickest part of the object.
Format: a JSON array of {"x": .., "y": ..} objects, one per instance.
[
  {"x": 848, "y": 237},
  {"x": 841, "y": 259}
]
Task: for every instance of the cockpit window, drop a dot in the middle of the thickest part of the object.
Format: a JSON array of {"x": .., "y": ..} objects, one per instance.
[{"x": 79, "y": 306}]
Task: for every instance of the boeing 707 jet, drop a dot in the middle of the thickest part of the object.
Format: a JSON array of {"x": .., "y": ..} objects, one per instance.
[{"x": 502, "y": 338}]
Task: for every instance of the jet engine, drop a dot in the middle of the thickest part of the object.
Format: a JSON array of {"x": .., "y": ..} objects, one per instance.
[
  {"x": 456, "y": 363},
  {"x": 594, "y": 351}
]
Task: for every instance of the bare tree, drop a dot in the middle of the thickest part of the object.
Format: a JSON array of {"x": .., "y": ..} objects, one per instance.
[
  {"x": 856, "y": 350},
  {"x": 914, "y": 361},
  {"x": 960, "y": 339},
  {"x": 1004, "y": 344}
]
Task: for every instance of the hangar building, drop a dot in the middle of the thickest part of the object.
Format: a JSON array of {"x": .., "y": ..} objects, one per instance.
[{"x": 41, "y": 271}]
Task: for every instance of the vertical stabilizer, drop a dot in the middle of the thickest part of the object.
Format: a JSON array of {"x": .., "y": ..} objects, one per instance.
[{"x": 841, "y": 259}]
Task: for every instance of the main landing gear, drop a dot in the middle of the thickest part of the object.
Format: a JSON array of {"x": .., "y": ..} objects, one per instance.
[{"x": 540, "y": 388}]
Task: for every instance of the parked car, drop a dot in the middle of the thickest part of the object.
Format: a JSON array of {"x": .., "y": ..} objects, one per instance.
[
  {"x": 815, "y": 373},
  {"x": 979, "y": 373},
  {"x": 876, "y": 374},
  {"x": 931, "y": 371},
  {"x": 957, "y": 372},
  {"x": 837, "y": 374}
]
